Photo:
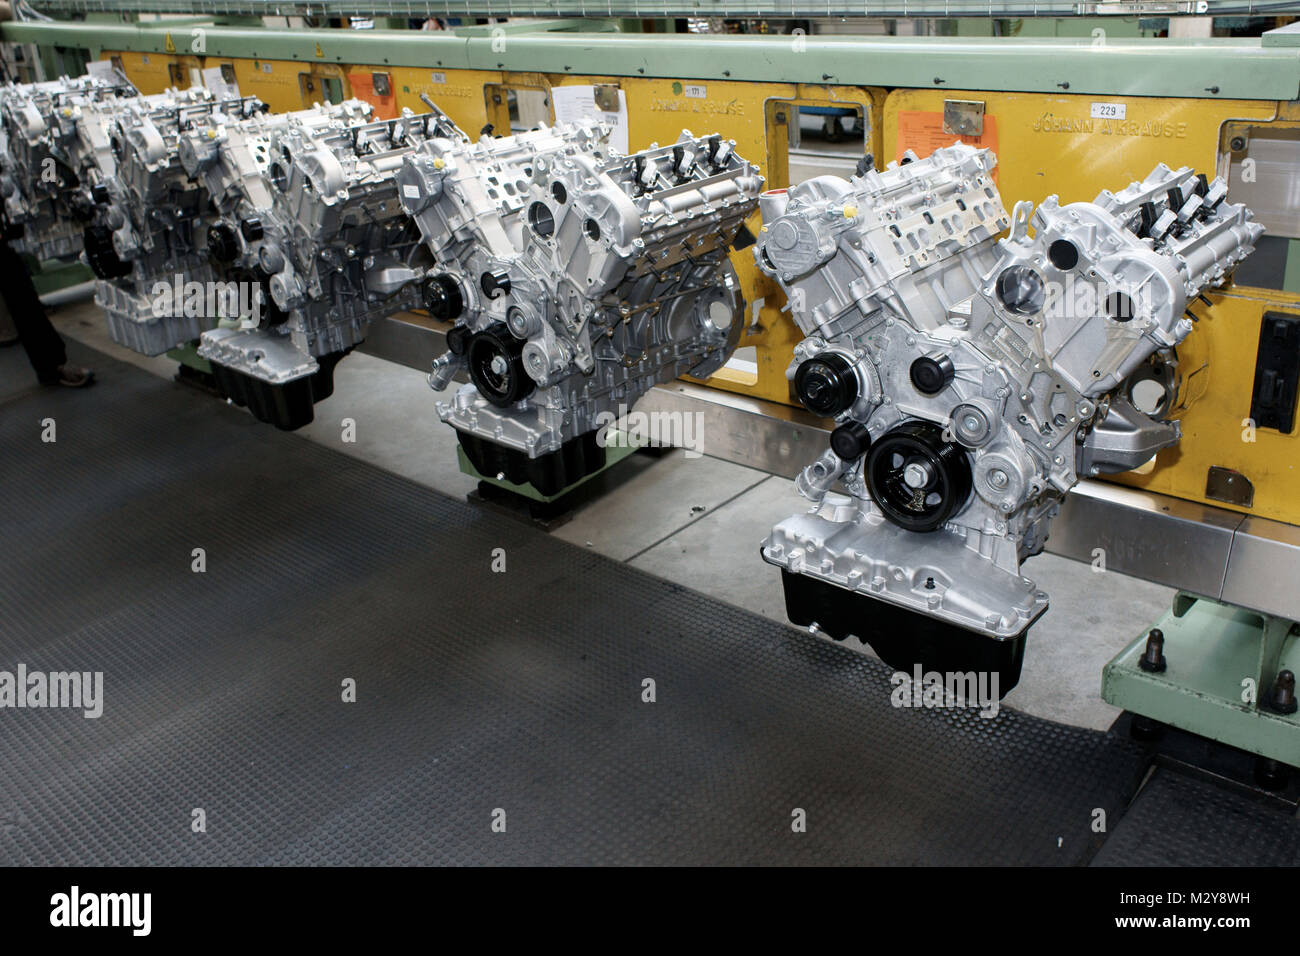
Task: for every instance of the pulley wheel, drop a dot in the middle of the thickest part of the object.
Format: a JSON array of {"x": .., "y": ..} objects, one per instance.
[{"x": 916, "y": 478}]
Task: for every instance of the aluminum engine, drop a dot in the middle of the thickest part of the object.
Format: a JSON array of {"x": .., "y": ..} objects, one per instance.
[
  {"x": 145, "y": 242},
  {"x": 311, "y": 219},
  {"x": 972, "y": 382},
  {"x": 577, "y": 279},
  {"x": 51, "y": 132}
]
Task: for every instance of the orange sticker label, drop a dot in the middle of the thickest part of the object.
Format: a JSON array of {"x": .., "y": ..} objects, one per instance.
[
  {"x": 363, "y": 88},
  {"x": 922, "y": 132}
]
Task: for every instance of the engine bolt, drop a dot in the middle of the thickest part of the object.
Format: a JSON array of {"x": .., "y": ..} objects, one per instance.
[{"x": 916, "y": 474}]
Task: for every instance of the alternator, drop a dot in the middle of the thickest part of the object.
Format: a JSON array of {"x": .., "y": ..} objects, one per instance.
[
  {"x": 972, "y": 382},
  {"x": 577, "y": 279},
  {"x": 311, "y": 219}
]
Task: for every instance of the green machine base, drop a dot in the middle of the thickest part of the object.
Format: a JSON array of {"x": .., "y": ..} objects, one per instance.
[
  {"x": 618, "y": 446},
  {"x": 52, "y": 276},
  {"x": 188, "y": 356},
  {"x": 194, "y": 370},
  {"x": 1222, "y": 673}
]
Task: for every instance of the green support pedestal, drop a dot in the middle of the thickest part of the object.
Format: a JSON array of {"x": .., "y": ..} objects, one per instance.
[
  {"x": 51, "y": 277},
  {"x": 1220, "y": 666},
  {"x": 188, "y": 355},
  {"x": 618, "y": 447}
]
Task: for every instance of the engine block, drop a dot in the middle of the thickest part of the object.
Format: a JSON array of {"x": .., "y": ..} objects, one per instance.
[
  {"x": 309, "y": 216},
  {"x": 54, "y": 147},
  {"x": 577, "y": 279},
  {"x": 972, "y": 382},
  {"x": 145, "y": 241}
]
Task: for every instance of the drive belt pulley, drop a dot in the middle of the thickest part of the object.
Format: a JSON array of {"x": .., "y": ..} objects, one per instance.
[
  {"x": 97, "y": 241},
  {"x": 496, "y": 366},
  {"x": 916, "y": 478}
]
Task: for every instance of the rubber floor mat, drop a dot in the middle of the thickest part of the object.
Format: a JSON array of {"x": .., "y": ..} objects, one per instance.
[
  {"x": 1178, "y": 820},
  {"x": 498, "y": 716},
  {"x": 16, "y": 375}
]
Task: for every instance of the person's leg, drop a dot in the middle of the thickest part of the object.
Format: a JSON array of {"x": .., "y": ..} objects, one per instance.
[
  {"x": 8, "y": 334},
  {"x": 44, "y": 346}
]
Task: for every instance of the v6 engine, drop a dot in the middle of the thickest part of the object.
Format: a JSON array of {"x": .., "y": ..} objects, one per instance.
[
  {"x": 577, "y": 279},
  {"x": 972, "y": 382}
]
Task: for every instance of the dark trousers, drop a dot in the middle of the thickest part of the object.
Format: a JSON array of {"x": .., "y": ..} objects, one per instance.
[{"x": 43, "y": 344}]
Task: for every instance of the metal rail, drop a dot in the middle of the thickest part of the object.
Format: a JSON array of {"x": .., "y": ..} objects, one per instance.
[
  {"x": 1265, "y": 68},
  {"x": 792, "y": 9}
]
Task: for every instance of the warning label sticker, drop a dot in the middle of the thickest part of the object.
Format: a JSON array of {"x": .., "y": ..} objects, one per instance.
[
  {"x": 922, "y": 132},
  {"x": 363, "y": 88}
]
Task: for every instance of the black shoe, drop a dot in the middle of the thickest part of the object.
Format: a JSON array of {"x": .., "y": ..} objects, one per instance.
[
  {"x": 71, "y": 376},
  {"x": 6, "y": 343}
]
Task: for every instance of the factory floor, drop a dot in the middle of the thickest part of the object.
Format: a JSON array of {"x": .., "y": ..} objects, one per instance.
[{"x": 698, "y": 522}]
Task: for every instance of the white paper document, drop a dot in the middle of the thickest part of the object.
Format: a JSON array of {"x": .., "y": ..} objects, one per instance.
[
  {"x": 574, "y": 104},
  {"x": 219, "y": 85}
]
